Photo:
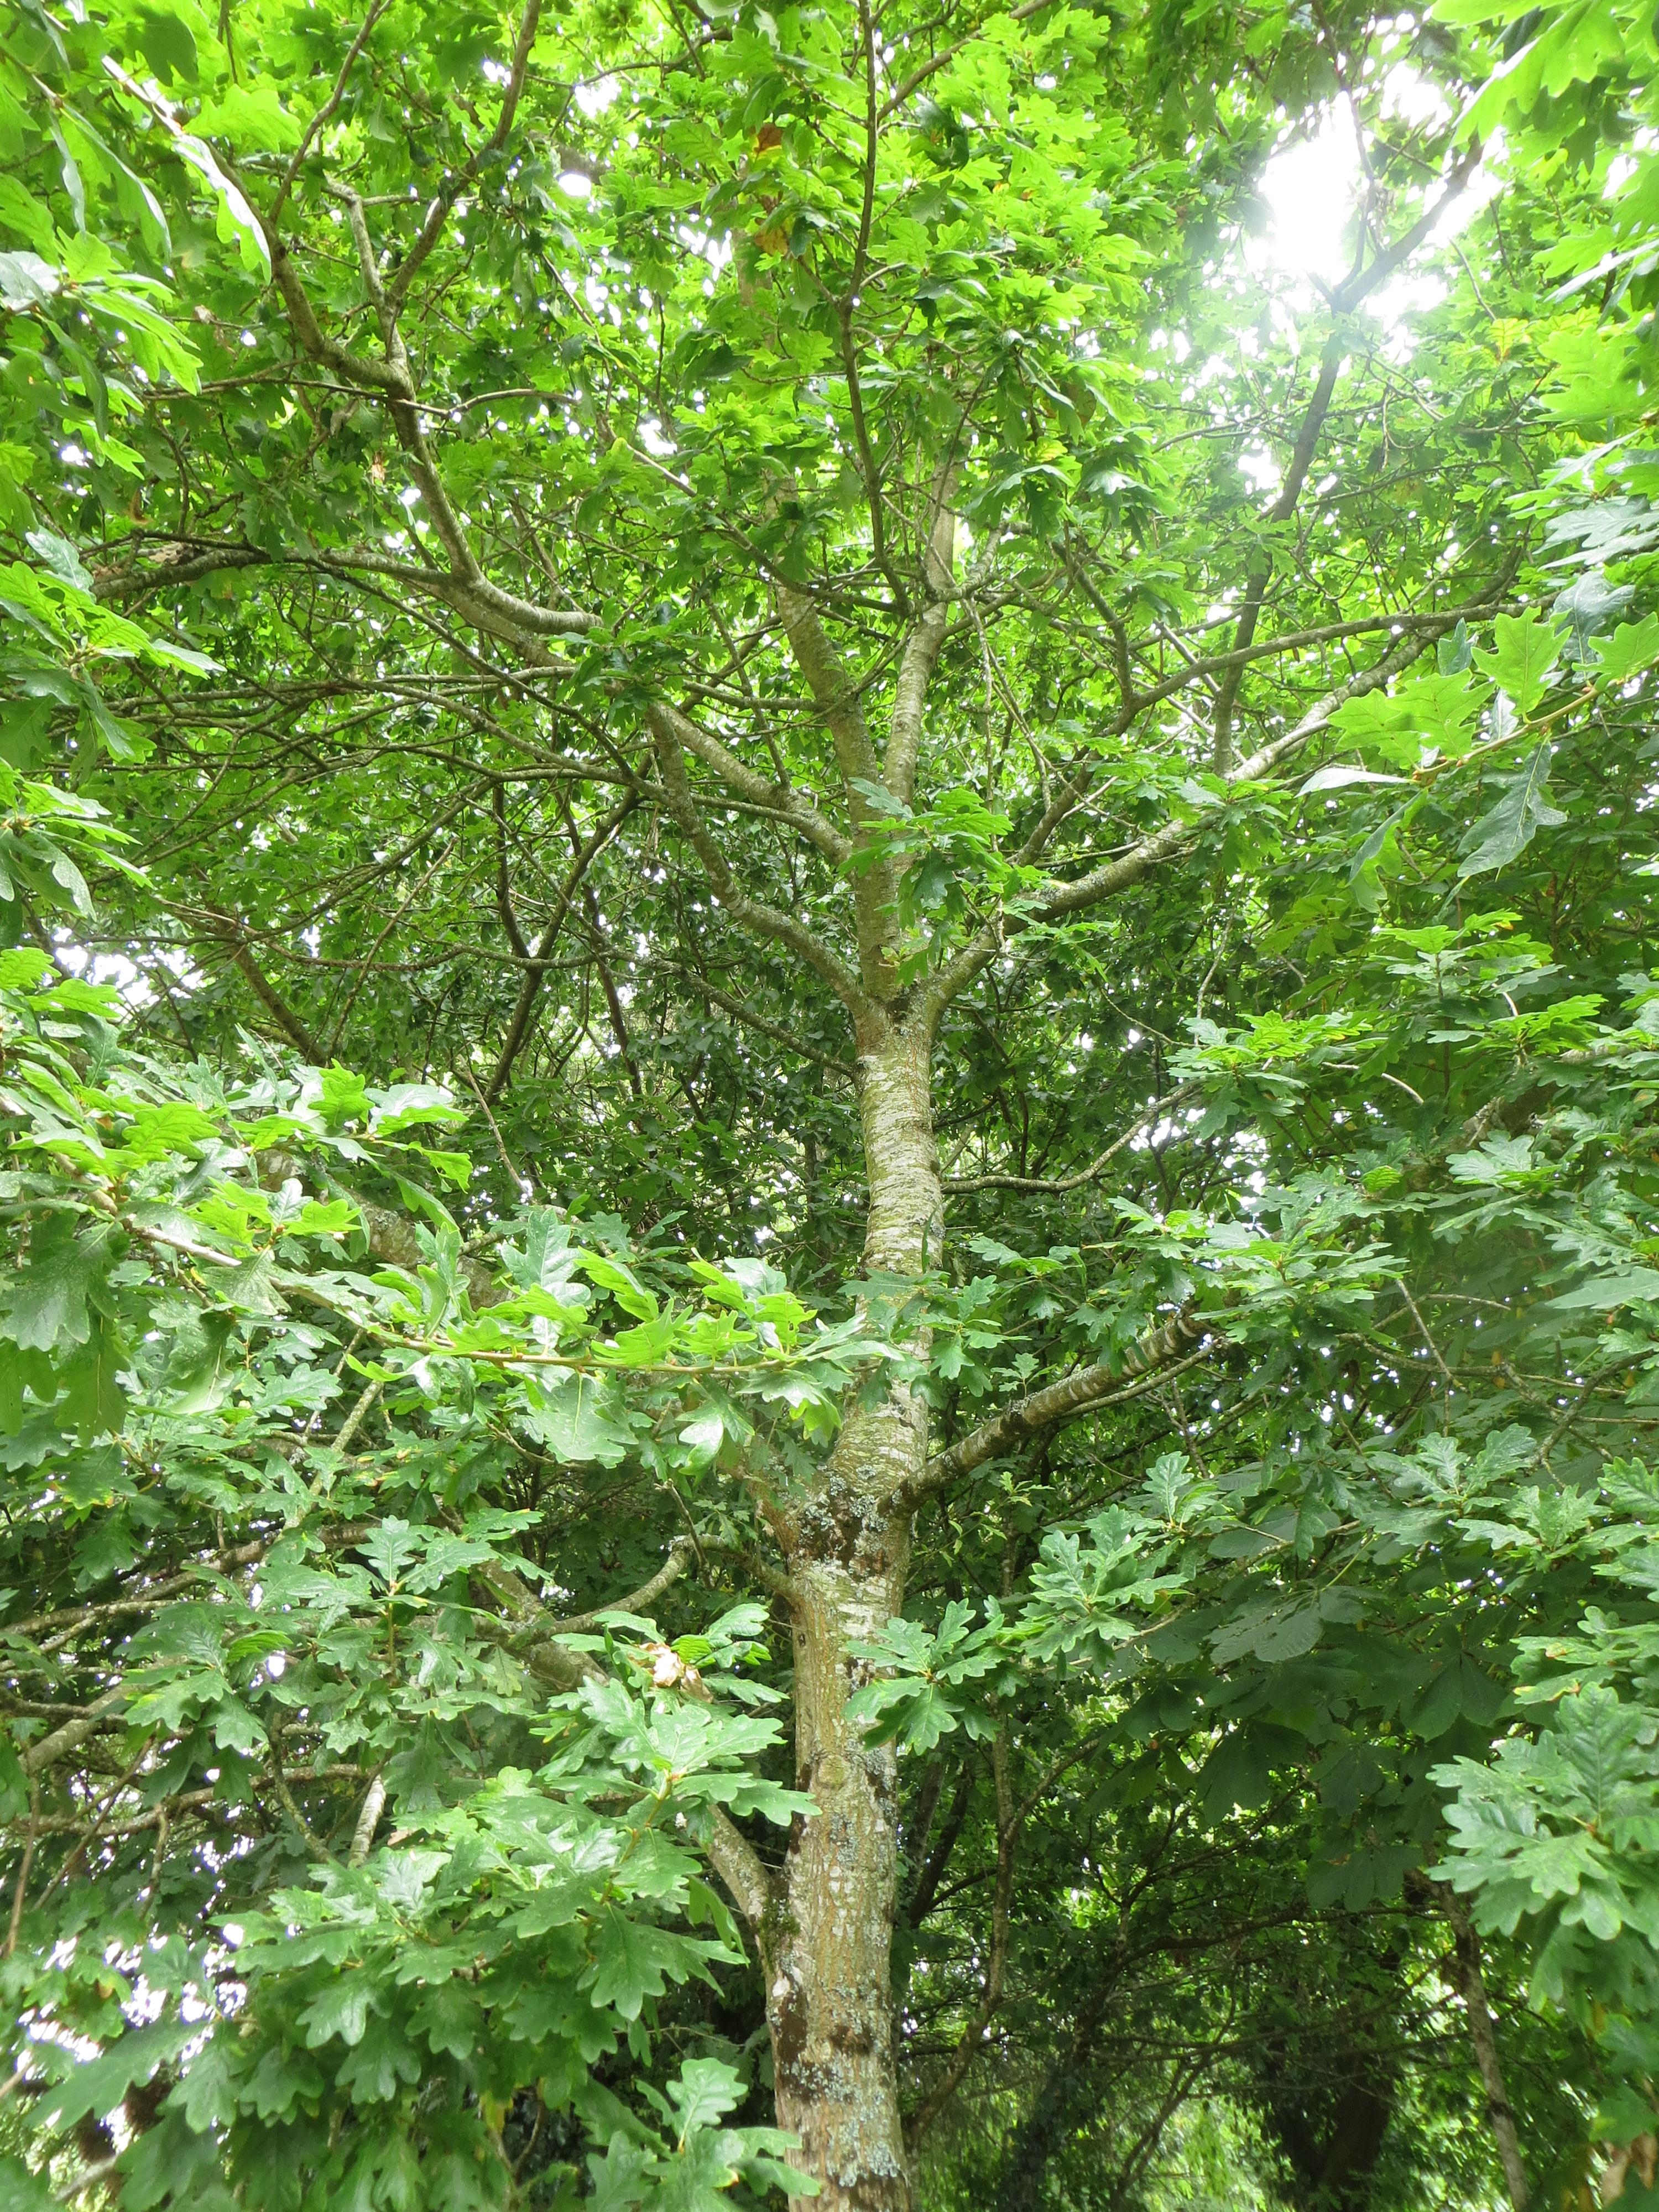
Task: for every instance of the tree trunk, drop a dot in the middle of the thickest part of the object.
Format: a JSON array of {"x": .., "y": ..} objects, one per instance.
[
  {"x": 1484, "y": 2036},
  {"x": 828, "y": 1958},
  {"x": 1357, "y": 2131},
  {"x": 1039, "y": 2135}
]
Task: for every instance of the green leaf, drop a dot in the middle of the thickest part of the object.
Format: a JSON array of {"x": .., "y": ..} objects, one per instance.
[
  {"x": 61, "y": 557},
  {"x": 1525, "y": 652},
  {"x": 98, "y": 2087},
  {"x": 633, "y": 1960},
  {"x": 25, "y": 2191},
  {"x": 46, "y": 1305},
  {"x": 1503, "y": 835},
  {"x": 1336, "y": 779},
  {"x": 1236, "y": 1776},
  {"x": 1632, "y": 647},
  {"x": 167, "y": 45},
  {"x": 706, "y": 2090},
  {"x": 1628, "y": 1287},
  {"x": 574, "y": 1420},
  {"x": 339, "y": 2010}
]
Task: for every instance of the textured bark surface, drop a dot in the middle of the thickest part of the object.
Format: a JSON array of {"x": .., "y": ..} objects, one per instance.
[
  {"x": 1483, "y": 2035},
  {"x": 830, "y": 1986},
  {"x": 827, "y": 1954}
]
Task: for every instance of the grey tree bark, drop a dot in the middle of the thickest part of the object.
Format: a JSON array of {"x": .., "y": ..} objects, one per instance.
[{"x": 829, "y": 1960}]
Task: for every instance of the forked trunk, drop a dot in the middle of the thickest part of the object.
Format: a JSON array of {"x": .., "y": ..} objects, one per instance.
[{"x": 830, "y": 2002}]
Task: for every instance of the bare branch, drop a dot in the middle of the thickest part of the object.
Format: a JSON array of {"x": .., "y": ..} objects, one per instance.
[
  {"x": 971, "y": 2041},
  {"x": 185, "y": 560},
  {"x": 1150, "y": 853},
  {"x": 518, "y": 1027},
  {"x": 35, "y": 1758},
  {"x": 750, "y": 1019},
  {"x": 778, "y": 798},
  {"x": 1343, "y": 300},
  {"x": 847, "y": 308},
  {"x": 326, "y": 113},
  {"x": 739, "y": 1866},
  {"x": 1060, "y": 1184},
  {"x": 1148, "y": 1362},
  {"x": 835, "y": 692},
  {"x": 438, "y": 213},
  {"x": 297, "y": 1032},
  {"x": 680, "y": 1552},
  {"x": 368, "y": 1819},
  {"x": 834, "y": 689},
  {"x": 749, "y": 913},
  {"x": 1284, "y": 507}
]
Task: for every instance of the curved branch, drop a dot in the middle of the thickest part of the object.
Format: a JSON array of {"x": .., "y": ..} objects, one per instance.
[
  {"x": 758, "y": 790},
  {"x": 749, "y": 913}
]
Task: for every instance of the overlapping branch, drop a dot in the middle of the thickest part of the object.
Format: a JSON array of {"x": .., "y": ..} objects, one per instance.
[
  {"x": 755, "y": 915},
  {"x": 1064, "y": 898}
]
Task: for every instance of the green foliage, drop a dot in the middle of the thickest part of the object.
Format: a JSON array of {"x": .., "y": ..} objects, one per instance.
[{"x": 566, "y": 577}]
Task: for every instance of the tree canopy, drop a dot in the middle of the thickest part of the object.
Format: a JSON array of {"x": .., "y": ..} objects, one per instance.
[{"x": 830, "y": 1334}]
